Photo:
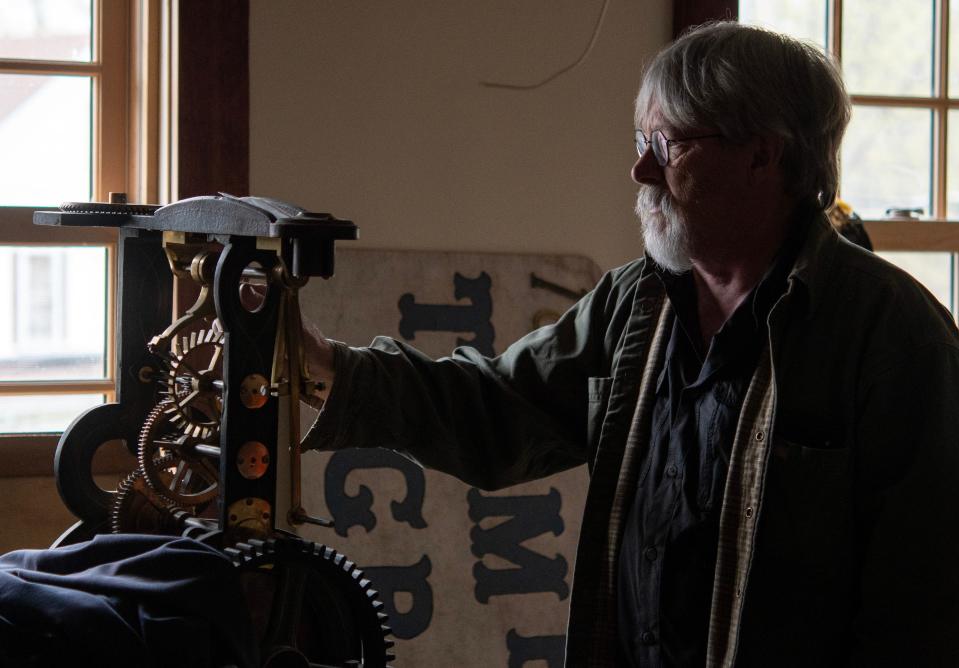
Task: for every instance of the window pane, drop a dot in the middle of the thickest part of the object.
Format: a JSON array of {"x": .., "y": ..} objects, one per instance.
[
  {"x": 887, "y": 160},
  {"x": 952, "y": 163},
  {"x": 52, "y": 313},
  {"x": 887, "y": 46},
  {"x": 45, "y": 139},
  {"x": 46, "y": 29},
  {"x": 953, "y": 49},
  {"x": 933, "y": 270},
  {"x": 33, "y": 413},
  {"x": 803, "y": 19}
]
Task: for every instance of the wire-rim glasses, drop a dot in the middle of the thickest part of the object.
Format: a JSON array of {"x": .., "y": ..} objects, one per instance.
[{"x": 661, "y": 144}]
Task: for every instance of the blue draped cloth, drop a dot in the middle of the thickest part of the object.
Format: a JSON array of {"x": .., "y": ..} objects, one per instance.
[{"x": 125, "y": 600}]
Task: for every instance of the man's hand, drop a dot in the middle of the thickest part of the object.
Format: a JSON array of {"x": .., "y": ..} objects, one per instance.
[
  {"x": 316, "y": 348},
  {"x": 319, "y": 361}
]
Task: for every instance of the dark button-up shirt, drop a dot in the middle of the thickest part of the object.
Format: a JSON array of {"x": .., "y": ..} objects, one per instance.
[{"x": 668, "y": 555}]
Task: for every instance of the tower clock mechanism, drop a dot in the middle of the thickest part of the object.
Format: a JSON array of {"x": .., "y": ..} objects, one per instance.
[{"x": 210, "y": 406}]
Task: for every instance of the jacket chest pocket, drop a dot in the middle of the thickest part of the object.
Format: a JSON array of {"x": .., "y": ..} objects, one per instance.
[
  {"x": 598, "y": 390},
  {"x": 810, "y": 504}
]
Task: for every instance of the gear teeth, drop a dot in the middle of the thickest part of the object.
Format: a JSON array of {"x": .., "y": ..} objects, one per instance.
[
  {"x": 332, "y": 567},
  {"x": 134, "y": 497},
  {"x": 246, "y": 551},
  {"x": 123, "y": 489},
  {"x": 153, "y": 459}
]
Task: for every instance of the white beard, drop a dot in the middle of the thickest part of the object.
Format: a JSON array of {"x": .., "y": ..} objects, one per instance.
[{"x": 664, "y": 230}]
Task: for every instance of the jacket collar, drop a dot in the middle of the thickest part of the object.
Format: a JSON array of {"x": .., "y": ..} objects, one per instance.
[{"x": 811, "y": 272}]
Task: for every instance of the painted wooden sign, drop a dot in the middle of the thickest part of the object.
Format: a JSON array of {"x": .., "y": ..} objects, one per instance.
[{"x": 469, "y": 578}]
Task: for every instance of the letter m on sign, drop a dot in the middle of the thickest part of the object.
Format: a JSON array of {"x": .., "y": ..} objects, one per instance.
[{"x": 526, "y": 518}]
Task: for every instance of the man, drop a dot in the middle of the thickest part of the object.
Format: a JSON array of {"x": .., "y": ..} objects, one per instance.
[{"x": 765, "y": 409}]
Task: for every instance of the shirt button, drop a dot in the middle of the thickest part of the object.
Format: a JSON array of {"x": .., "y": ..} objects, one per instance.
[
  {"x": 671, "y": 471},
  {"x": 651, "y": 554},
  {"x": 648, "y": 638},
  {"x": 760, "y": 436},
  {"x": 749, "y": 512}
]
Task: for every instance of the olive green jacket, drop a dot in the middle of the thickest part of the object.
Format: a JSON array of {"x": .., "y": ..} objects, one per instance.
[{"x": 839, "y": 530}]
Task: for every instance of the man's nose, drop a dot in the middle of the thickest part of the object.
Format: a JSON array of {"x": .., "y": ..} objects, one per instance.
[{"x": 646, "y": 169}]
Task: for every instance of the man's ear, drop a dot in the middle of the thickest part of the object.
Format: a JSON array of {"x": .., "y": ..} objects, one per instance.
[{"x": 767, "y": 153}]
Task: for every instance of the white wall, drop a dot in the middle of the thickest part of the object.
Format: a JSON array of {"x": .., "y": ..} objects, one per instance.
[{"x": 374, "y": 111}]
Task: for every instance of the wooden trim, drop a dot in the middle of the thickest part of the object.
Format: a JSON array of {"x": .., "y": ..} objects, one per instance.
[
  {"x": 167, "y": 177},
  {"x": 111, "y": 99},
  {"x": 835, "y": 29},
  {"x": 144, "y": 133},
  {"x": 92, "y": 386},
  {"x": 940, "y": 203},
  {"x": 212, "y": 139},
  {"x": 28, "y": 454},
  {"x": 897, "y": 101},
  {"x": 31, "y": 455},
  {"x": 914, "y": 235},
  {"x": 689, "y": 13},
  {"x": 12, "y": 66}
]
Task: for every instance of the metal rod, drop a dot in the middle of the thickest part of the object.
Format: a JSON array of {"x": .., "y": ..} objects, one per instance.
[
  {"x": 299, "y": 516},
  {"x": 208, "y": 450}
]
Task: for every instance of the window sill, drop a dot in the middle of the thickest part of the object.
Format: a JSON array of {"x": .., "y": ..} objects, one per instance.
[{"x": 914, "y": 235}]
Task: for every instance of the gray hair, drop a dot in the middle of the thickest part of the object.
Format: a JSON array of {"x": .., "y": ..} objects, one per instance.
[{"x": 747, "y": 81}]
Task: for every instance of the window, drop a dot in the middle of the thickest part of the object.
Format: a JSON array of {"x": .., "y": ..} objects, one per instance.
[
  {"x": 65, "y": 72},
  {"x": 902, "y": 72}
]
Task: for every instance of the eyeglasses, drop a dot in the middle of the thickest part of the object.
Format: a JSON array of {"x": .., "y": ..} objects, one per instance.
[{"x": 661, "y": 144}]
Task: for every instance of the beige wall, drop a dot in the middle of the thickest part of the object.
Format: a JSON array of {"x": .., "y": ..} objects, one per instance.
[{"x": 374, "y": 111}]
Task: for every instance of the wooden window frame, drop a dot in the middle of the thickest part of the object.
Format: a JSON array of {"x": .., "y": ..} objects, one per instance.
[
  {"x": 936, "y": 232},
  {"x": 185, "y": 131},
  {"x": 111, "y": 155}
]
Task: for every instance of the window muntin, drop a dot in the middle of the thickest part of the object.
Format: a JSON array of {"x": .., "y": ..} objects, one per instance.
[{"x": 901, "y": 147}]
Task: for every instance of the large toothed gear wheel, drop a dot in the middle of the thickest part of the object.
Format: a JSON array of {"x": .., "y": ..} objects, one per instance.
[
  {"x": 170, "y": 465},
  {"x": 312, "y": 606},
  {"x": 190, "y": 385},
  {"x": 138, "y": 509}
]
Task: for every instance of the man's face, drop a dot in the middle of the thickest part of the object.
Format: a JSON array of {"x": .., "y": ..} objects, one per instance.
[{"x": 688, "y": 206}]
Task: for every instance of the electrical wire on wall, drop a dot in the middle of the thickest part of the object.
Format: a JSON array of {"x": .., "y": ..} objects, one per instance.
[{"x": 579, "y": 61}]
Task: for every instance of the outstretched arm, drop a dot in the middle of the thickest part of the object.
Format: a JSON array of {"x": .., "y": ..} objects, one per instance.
[{"x": 491, "y": 422}]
